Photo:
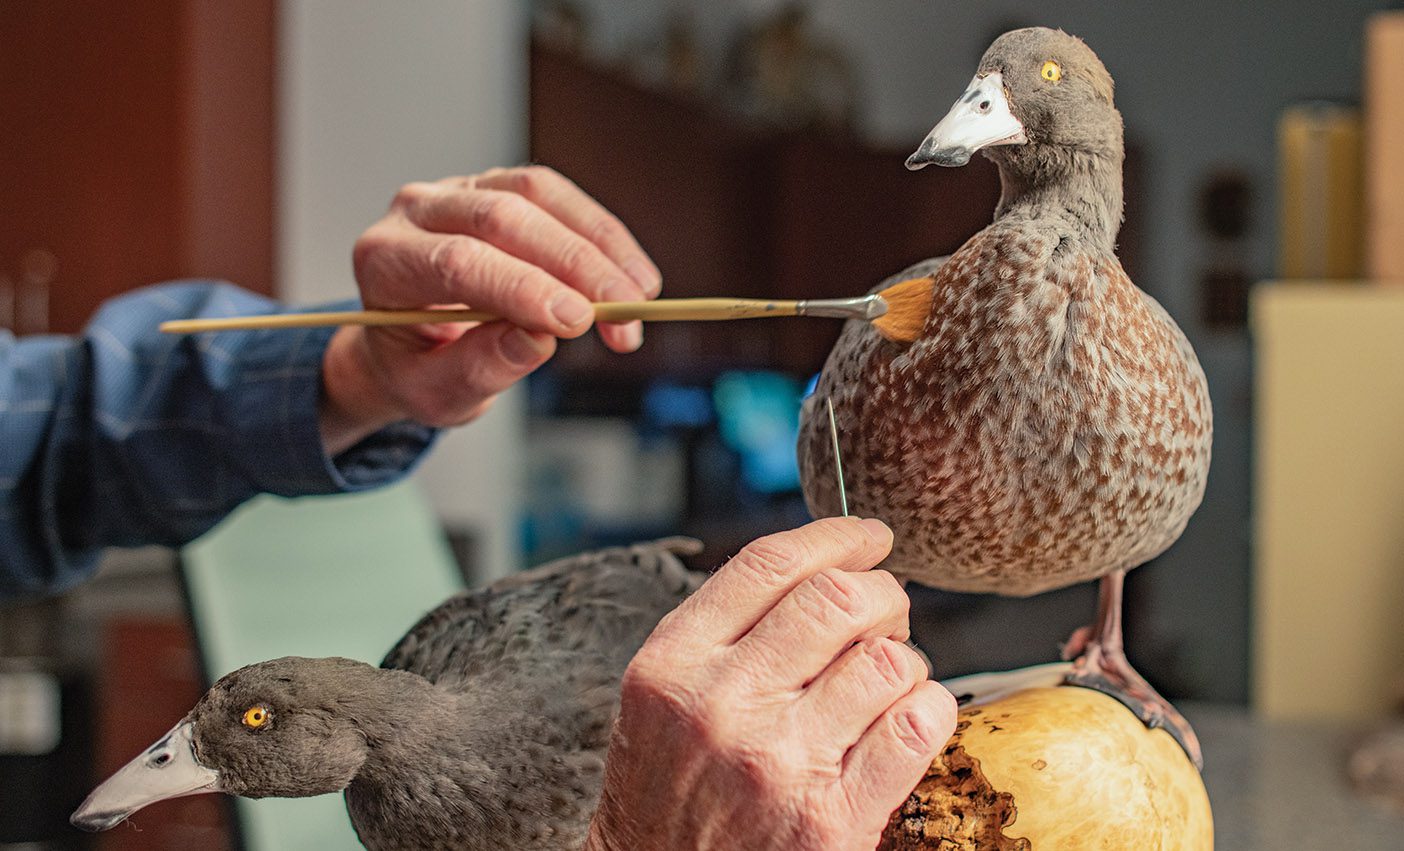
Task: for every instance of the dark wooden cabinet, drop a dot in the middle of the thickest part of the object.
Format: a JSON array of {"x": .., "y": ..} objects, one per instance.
[
  {"x": 136, "y": 145},
  {"x": 730, "y": 208},
  {"x": 846, "y": 216}
]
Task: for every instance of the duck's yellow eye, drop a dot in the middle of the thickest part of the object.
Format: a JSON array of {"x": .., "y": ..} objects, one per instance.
[
  {"x": 256, "y": 716},
  {"x": 1052, "y": 71}
]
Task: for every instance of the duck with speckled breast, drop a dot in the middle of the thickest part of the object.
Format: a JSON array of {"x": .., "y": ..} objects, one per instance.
[{"x": 1048, "y": 423}]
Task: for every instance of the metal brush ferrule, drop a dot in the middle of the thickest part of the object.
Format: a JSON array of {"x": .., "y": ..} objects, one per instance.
[{"x": 868, "y": 307}]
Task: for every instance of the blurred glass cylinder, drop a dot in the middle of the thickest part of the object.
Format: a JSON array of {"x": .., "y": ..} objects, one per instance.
[
  {"x": 1319, "y": 182},
  {"x": 1384, "y": 145}
]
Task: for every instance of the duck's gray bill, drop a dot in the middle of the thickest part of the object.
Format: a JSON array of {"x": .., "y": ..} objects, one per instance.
[
  {"x": 168, "y": 769},
  {"x": 980, "y": 118}
]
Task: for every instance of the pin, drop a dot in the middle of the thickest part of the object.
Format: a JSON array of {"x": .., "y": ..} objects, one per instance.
[{"x": 838, "y": 462}]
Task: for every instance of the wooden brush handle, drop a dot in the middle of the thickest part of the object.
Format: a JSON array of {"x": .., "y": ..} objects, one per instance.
[
  {"x": 662, "y": 310},
  {"x": 322, "y": 320},
  {"x": 692, "y": 309}
]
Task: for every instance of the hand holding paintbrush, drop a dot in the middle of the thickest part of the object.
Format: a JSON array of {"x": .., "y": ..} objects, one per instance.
[{"x": 522, "y": 245}]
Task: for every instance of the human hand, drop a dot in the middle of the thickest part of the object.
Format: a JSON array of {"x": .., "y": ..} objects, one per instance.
[
  {"x": 523, "y": 243},
  {"x": 778, "y": 707}
]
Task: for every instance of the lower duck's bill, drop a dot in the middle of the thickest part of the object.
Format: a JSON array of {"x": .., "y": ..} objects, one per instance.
[{"x": 168, "y": 769}]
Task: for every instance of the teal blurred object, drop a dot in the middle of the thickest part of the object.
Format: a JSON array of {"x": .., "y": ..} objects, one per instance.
[
  {"x": 758, "y": 416},
  {"x": 318, "y": 576}
]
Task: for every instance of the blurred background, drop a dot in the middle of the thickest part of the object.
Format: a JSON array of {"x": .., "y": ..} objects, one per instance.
[{"x": 755, "y": 147}]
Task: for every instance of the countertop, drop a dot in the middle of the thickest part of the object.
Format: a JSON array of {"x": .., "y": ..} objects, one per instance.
[{"x": 1278, "y": 786}]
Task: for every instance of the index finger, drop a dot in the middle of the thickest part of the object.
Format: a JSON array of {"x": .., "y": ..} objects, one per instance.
[
  {"x": 748, "y": 586},
  {"x": 578, "y": 211}
]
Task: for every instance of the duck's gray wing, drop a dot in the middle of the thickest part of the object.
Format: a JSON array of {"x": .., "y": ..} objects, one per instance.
[
  {"x": 535, "y": 662},
  {"x": 600, "y": 604}
]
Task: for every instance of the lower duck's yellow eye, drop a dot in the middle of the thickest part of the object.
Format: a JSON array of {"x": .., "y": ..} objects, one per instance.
[
  {"x": 256, "y": 716},
  {"x": 1052, "y": 71}
]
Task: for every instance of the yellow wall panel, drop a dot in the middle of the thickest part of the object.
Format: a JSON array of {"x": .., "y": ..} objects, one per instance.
[{"x": 1329, "y": 499}]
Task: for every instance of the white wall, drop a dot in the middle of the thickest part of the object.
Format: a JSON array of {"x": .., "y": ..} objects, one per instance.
[{"x": 373, "y": 95}]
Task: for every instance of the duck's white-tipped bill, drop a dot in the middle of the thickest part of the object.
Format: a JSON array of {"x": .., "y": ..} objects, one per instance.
[
  {"x": 168, "y": 769},
  {"x": 979, "y": 119}
]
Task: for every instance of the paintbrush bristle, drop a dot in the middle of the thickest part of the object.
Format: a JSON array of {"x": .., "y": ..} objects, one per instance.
[{"x": 908, "y": 306}]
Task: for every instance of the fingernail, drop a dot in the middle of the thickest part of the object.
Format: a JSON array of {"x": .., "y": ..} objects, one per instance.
[
  {"x": 572, "y": 311},
  {"x": 521, "y": 348},
  {"x": 633, "y": 336},
  {"x": 646, "y": 275},
  {"x": 921, "y": 654},
  {"x": 876, "y": 529}
]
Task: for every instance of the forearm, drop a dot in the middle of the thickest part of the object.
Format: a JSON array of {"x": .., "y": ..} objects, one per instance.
[{"x": 124, "y": 436}]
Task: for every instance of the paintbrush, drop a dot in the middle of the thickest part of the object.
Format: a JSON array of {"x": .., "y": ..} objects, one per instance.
[{"x": 897, "y": 313}]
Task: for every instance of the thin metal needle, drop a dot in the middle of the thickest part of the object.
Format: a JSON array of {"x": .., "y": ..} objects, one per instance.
[
  {"x": 838, "y": 461},
  {"x": 843, "y": 502}
]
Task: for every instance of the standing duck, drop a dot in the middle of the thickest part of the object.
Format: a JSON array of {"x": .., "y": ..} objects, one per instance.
[
  {"x": 1049, "y": 424},
  {"x": 484, "y": 728}
]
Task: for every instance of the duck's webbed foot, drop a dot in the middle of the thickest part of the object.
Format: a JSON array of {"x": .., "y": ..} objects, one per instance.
[
  {"x": 1099, "y": 662},
  {"x": 1112, "y": 674}
]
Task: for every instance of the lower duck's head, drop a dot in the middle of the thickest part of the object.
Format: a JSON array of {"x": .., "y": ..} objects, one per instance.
[
  {"x": 289, "y": 727},
  {"x": 1038, "y": 96}
]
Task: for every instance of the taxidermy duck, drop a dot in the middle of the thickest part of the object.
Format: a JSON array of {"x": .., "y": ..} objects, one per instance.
[
  {"x": 484, "y": 728},
  {"x": 1045, "y": 422}
]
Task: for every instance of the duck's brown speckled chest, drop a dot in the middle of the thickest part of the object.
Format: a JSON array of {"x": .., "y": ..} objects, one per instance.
[{"x": 1051, "y": 425}]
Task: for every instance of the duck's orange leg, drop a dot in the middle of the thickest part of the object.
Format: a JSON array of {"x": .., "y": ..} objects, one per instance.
[{"x": 1101, "y": 664}]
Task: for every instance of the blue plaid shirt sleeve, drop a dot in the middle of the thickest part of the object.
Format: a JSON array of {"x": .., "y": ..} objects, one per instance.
[{"x": 123, "y": 436}]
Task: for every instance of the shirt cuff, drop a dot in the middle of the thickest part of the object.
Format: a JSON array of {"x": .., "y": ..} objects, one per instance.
[{"x": 278, "y": 411}]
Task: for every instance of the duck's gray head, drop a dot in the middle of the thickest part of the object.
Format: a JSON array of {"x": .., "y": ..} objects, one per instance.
[
  {"x": 1037, "y": 94},
  {"x": 289, "y": 727}
]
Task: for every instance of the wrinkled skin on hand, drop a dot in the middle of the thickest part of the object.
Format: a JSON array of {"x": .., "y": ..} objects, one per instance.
[
  {"x": 525, "y": 244},
  {"x": 779, "y": 707}
]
